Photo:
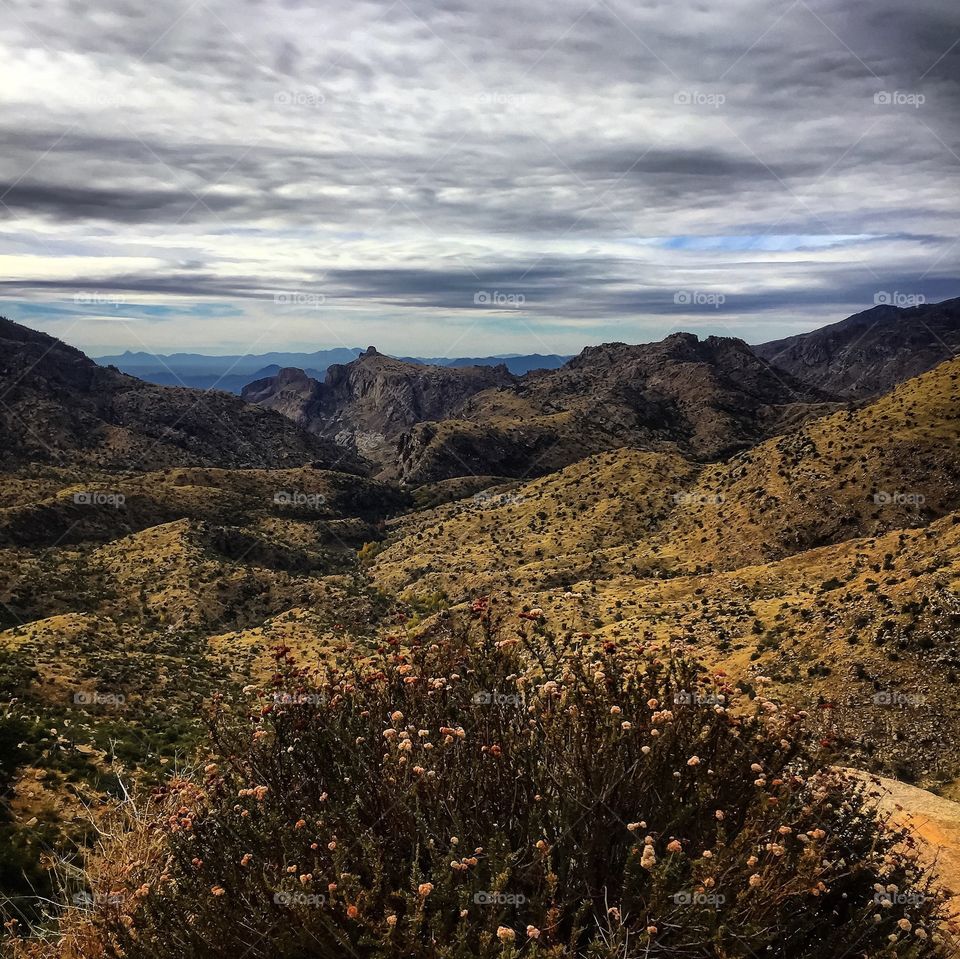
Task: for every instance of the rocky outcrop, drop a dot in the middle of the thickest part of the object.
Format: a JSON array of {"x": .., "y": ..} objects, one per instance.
[
  {"x": 871, "y": 352},
  {"x": 706, "y": 398},
  {"x": 368, "y": 404}
]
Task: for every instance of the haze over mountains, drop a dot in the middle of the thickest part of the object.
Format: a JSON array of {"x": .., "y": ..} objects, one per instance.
[{"x": 232, "y": 372}]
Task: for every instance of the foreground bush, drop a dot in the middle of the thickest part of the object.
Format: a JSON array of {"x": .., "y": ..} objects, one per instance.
[{"x": 489, "y": 792}]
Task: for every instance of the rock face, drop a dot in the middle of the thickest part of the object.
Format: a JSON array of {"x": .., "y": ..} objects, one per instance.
[
  {"x": 932, "y": 820},
  {"x": 870, "y": 352},
  {"x": 369, "y": 403},
  {"x": 703, "y": 398},
  {"x": 424, "y": 423},
  {"x": 58, "y": 406},
  {"x": 710, "y": 396}
]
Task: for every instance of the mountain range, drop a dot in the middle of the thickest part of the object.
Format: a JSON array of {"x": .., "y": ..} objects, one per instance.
[
  {"x": 788, "y": 514},
  {"x": 232, "y": 372},
  {"x": 422, "y": 424}
]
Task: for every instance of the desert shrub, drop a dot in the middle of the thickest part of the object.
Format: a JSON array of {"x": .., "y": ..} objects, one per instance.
[
  {"x": 488, "y": 790},
  {"x": 22, "y": 879}
]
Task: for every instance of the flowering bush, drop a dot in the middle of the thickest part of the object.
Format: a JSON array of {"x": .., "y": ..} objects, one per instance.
[{"x": 485, "y": 789}]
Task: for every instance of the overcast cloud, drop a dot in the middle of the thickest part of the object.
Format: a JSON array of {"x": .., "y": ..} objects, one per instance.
[{"x": 443, "y": 177}]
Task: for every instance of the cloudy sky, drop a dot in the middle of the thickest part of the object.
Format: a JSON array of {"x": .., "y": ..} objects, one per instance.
[{"x": 445, "y": 177}]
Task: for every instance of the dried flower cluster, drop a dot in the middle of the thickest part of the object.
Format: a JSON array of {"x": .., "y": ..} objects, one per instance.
[{"x": 398, "y": 811}]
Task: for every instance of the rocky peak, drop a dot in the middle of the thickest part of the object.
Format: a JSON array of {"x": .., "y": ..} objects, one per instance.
[{"x": 870, "y": 352}]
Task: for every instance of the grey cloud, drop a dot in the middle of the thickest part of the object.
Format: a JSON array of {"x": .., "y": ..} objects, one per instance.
[{"x": 416, "y": 152}]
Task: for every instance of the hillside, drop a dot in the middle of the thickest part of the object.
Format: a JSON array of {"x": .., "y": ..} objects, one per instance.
[
  {"x": 841, "y": 533},
  {"x": 119, "y": 619},
  {"x": 895, "y": 463},
  {"x": 870, "y": 352},
  {"x": 58, "y": 406}
]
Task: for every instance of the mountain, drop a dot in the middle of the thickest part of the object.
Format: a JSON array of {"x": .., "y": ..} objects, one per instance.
[
  {"x": 367, "y": 404},
  {"x": 140, "y": 364},
  {"x": 870, "y": 352},
  {"x": 425, "y": 423},
  {"x": 233, "y": 373},
  {"x": 59, "y": 406},
  {"x": 228, "y": 373},
  {"x": 228, "y": 382},
  {"x": 705, "y": 398},
  {"x": 859, "y": 357},
  {"x": 516, "y": 364}
]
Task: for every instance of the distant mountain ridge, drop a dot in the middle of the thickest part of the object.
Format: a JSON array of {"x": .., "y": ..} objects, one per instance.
[
  {"x": 420, "y": 421},
  {"x": 870, "y": 352},
  {"x": 859, "y": 357},
  {"x": 232, "y": 373},
  {"x": 239, "y": 363}
]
